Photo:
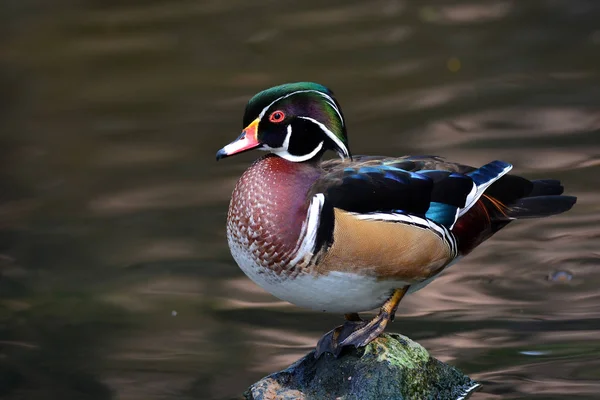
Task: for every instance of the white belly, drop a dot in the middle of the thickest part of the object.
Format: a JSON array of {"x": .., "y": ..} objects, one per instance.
[{"x": 336, "y": 292}]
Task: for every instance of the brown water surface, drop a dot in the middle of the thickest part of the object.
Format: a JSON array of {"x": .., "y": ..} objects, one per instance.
[{"x": 115, "y": 276}]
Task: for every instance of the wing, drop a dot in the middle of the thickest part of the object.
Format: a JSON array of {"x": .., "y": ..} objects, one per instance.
[
  {"x": 426, "y": 186},
  {"x": 381, "y": 198}
]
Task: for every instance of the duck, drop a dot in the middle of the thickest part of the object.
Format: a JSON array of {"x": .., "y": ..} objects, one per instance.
[{"x": 354, "y": 233}]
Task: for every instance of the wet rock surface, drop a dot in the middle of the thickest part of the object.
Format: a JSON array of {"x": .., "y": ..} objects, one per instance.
[{"x": 391, "y": 367}]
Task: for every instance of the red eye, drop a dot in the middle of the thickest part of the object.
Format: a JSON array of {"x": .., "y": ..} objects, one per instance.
[{"x": 276, "y": 116}]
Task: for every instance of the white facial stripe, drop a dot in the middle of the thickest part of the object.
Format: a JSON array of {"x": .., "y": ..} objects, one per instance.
[
  {"x": 283, "y": 150},
  {"x": 286, "y": 142},
  {"x": 331, "y": 135},
  {"x": 284, "y": 146},
  {"x": 327, "y": 97},
  {"x": 332, "y": 104},
  {"x": 283, "y": 153}
]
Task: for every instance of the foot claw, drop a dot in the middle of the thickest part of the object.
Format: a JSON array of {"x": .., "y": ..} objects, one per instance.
[
  {"x": 331, "y": 341},
  {"x": 367, "y": 333},
  {"x": 352, "y": 333},
  {"x": 328, "y": 343}
]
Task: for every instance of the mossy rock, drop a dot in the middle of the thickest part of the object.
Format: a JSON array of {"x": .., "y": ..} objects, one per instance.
[{"x": 392, "y": 367}]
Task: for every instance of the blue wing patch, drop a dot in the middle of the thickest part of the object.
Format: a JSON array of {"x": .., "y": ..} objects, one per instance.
[{"x": 443, "y": 214}]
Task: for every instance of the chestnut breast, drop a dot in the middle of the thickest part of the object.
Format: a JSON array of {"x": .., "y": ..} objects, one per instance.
[{"x": 268, "y": 207}]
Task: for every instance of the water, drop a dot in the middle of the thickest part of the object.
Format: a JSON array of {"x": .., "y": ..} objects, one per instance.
[{"x": 116, "y": 280}]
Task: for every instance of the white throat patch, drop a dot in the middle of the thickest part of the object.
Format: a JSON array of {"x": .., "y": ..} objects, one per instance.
[{"x": 283, "y": 151}]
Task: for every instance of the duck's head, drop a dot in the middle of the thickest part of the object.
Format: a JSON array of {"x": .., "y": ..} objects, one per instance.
[{"x": 296, "y": 121}]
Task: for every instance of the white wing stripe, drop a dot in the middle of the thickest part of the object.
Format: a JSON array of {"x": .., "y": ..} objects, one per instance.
[{"x": 477, "y": 191}]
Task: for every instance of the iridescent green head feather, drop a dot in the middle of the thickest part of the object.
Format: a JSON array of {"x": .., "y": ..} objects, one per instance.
[{"x": 297, "y": 121}]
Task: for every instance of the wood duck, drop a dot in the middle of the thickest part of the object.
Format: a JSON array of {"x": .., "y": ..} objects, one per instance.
[{"x": 352, "y": 234}]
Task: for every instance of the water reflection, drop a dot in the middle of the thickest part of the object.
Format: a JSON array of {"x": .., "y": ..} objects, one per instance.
[{"x": 112, "y": 209}]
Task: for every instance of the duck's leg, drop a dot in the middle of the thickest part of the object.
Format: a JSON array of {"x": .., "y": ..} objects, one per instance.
[
  {"x": 371, "y": 329},
  {"x": 353, "y": 317},
  {"x": 357, "y": 332}
]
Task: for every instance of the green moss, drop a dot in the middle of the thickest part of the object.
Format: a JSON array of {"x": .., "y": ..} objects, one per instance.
[{"x": 399, "y": 352}]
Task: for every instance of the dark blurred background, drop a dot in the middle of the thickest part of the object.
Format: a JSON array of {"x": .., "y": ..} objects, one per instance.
[{"x": 115, "y": 276}]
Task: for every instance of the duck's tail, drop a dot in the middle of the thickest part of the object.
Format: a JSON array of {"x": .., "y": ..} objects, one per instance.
[
  {"x": 509, "y": 198},
  {"x": 544, "y": 200},
  {"x": 513, "y": 197}
]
